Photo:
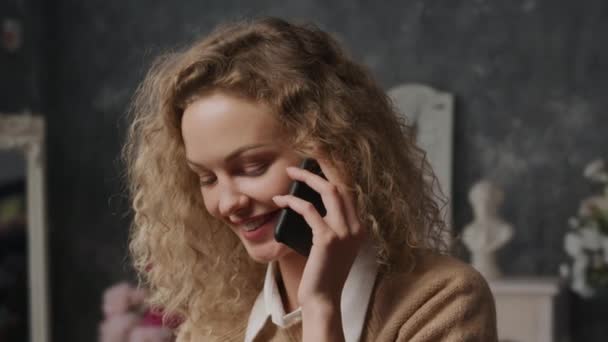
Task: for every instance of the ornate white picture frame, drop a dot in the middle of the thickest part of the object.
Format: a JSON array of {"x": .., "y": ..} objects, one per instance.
[
  {"x": 431, "y": 113},
  {"x": 25, "y": 133}
]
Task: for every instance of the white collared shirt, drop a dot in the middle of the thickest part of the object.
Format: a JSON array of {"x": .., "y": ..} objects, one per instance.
[{"x": 353, "y": 303}]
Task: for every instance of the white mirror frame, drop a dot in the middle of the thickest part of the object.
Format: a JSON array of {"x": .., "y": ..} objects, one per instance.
[
  {"x": 25, "y": 133},
  {"x": 432, "y": 113}
]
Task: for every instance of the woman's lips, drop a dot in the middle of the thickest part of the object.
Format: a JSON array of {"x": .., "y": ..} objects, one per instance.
[{"x": 262, "y": 230}]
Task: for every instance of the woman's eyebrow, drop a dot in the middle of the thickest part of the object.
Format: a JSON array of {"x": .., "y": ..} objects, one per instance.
[{"x": 230, "y": 156}]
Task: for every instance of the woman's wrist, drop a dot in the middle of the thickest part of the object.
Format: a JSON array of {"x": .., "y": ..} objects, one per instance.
[
  {"x": 322, "y": 320},
  {"x": 321, "y": 306}
]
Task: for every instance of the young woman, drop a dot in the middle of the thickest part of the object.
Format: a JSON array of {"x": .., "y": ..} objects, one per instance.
[{"x": 217, "y": 132}]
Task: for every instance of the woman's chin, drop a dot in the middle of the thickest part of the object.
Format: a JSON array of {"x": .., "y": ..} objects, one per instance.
[{"x": 267, "y": 252}]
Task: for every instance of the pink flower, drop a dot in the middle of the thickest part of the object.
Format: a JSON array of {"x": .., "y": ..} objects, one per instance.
[
  {"x": 128, "y": 320},
  {"x": 154, "y": 317},
  {"x": 117, "y": 327},
  {"x": 151, "y": 334},
  {"x": 120, "y": 298}
]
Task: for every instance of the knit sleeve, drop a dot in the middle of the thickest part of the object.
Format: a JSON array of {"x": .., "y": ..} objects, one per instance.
[{"x": 461, "y": 308}]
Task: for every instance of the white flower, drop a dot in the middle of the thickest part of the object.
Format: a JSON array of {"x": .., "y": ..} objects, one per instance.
[
  {"x": 591, "y": 238},
  {"x": 602, "y": 177},
  {"x": 574, "y": 222},
  {"x": 594, "y": 168},
  {"x": 573, "y": 244},
  {"x": 604, "y": 244},
  {"x": 583, "y": 289},
  {"x": 585, "y": 243},
  {"x": 589, "y": 205},
  {"x": 595, "y": 171}
]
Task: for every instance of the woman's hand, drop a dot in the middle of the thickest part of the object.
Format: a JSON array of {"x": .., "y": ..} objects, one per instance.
[{"x": 336, "y": 240}]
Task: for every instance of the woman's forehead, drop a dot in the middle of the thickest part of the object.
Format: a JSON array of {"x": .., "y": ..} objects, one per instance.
[{"x": 214, "y": 126}]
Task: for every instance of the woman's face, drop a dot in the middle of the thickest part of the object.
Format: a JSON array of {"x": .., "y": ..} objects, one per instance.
[{"x": 238, "y": 150}]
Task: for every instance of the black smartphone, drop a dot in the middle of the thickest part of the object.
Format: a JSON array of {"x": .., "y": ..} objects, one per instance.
[{"x": 291, "y": 229}]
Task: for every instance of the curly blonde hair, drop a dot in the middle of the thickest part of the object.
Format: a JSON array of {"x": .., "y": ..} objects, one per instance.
[{"x": 192, "y": 263}]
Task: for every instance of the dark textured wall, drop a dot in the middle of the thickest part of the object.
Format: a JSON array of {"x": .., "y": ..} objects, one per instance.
[
  {"x": 530, "y": 80},
  {"x": 20, "y": 70}
]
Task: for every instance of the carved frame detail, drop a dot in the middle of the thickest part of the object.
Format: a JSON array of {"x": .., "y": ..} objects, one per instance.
[
  {"x": 432, "y": 113},
  {"x": 25, "y": 133}
]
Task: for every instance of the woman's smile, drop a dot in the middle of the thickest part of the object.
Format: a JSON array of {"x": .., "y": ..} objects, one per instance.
[{"x": 259, "y": 228}]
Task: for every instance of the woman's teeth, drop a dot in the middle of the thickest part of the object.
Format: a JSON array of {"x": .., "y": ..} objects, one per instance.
[{"x": 253, "y": 225}]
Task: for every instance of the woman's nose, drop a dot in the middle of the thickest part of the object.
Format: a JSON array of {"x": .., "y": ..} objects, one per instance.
[{"x": 232, "y": 201}]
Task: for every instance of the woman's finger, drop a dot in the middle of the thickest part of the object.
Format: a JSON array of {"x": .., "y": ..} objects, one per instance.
[
  {"x": 329, "y": 194},
  {"x": 304, "y": 208},
  {"x": 348, "y": 201},
  {"x": 347, "y": 196}
]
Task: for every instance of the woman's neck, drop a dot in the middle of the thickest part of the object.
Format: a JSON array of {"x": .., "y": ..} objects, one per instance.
[{"x": 290, "y": 269}]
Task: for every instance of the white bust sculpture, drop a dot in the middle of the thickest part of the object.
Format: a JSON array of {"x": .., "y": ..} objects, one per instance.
[{"x": 488, "y": 232}]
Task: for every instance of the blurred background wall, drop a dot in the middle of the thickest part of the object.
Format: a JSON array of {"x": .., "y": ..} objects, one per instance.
[{"x": 530, "y": 79}]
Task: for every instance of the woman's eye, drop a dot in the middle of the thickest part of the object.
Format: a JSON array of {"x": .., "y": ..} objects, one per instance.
[
  {"x": 255, "y": 169},
  {"x": 206, "y": 181}
]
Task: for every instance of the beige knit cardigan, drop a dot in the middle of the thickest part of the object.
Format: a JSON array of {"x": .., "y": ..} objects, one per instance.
[{"x": 442, "y": 299}]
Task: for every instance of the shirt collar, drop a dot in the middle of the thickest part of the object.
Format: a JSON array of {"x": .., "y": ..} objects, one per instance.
[{"x": 353, "y": 304}]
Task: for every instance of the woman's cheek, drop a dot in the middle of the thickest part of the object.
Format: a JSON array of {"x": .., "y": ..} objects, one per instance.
[
  {"x": 280, "y": 185},
  {"x": 265, "y": 187},
  {"x": 210, "y": 205}
]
